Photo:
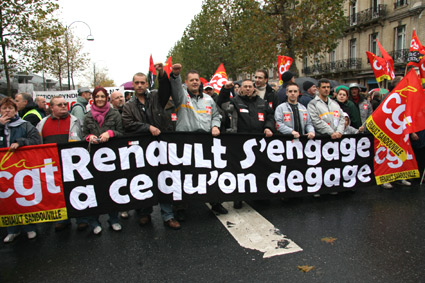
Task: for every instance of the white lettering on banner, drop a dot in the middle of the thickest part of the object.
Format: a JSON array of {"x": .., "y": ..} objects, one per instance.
[
  {"x": 217, "y": 149},
  {"x": 90, "y": 199},
  {"x": 125, "y": 152},
  {"x": 81, "y": 166},
  {"x": 161, "y": 148},
  {"x": 35, "y": 192},
  {"x": 175, "y": 183},
  {"x": 175, "y": 186},
  {"x": 103, "y": 155},
  {"x": 186, "y": 159}
]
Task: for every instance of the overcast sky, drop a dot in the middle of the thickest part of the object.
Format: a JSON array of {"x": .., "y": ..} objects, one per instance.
[{"x": 126, "y": 32}]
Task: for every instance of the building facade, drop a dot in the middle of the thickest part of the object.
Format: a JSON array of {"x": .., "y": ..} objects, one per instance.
[{"x": 389, "y": 21}]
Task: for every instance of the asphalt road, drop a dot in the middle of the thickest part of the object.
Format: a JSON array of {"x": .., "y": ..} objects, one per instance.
[{"x": 378, "y": 236}]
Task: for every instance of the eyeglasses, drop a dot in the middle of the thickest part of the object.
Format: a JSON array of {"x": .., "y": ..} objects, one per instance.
[{"x": 62, "y": 104}]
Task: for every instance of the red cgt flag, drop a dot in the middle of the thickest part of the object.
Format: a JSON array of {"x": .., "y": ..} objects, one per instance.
[
  {"x": 416, "y": 52},
  {"x": 389, "y": 59},
  {"x": 401, "y": 113},
  {"x": 379, "y": 67},
  {"x": 283, "y": 65},
  {"x": 168, "y": 66},
  {"x": 219, "y": 79}
]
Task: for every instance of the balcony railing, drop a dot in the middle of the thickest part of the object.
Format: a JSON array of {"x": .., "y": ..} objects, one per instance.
[
  {"x": 400, "y": 56},
  {"x": 332, "y": 67},
  {"x": 368, "y": 15}
]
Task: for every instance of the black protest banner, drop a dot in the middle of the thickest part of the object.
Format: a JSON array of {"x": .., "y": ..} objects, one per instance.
[{"x": 134, "y": 172}]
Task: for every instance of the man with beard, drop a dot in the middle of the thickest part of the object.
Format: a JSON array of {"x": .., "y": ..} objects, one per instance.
[{"x": 117, "y": 100}]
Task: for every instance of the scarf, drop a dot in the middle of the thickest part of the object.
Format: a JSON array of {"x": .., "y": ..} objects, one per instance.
[
  {"x": 99, "y": 113},
  {"x": 14, "y": 122},
  {"x": 261, "y": 91}
]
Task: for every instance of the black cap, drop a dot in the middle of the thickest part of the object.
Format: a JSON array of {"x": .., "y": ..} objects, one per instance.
[{"x": 287, "y": 76}]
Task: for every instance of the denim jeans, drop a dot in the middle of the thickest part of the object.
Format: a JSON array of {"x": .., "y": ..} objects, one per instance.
[
  {"x": 166, "y": 211},
  {"x": 17, "y": 229},
  {"x": 94, "y": 220}
]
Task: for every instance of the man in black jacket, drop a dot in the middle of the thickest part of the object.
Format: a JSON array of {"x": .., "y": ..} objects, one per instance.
[
  {"x": 250, "y": 113},
  {"x": 145, "y": 113}
]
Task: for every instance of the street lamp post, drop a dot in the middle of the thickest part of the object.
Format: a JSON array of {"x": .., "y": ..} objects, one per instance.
[{"x": 89, "y": 38}]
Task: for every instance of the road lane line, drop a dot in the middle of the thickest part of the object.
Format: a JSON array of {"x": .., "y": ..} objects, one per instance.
[{"x": 251, "y": 230}]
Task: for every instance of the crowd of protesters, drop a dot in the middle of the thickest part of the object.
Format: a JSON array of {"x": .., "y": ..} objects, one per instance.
[{"x": 243, "y": 107}]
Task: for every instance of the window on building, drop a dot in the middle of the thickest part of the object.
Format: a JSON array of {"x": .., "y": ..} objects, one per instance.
[
  {"x": 374, "y": 5},
  {"x": 399, "y": 37},
  {"x": 373, "y": 45},
  {"x": 352, "y": 52},
  {"x": 400, "y": 3},
  {"x": 353, "y": 12}
]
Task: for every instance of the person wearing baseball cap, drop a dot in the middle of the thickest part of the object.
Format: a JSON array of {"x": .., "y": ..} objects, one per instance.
[{"x": 79, "y": 108}]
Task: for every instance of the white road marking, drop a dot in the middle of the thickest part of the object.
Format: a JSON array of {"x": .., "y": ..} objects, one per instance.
[{"x": 251, "y": 230}]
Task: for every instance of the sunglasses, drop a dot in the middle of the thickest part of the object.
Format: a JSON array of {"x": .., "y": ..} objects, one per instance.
[{"x": 62, "y": 104}]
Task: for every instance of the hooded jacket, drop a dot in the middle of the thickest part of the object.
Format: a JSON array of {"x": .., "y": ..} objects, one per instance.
[{"x": 19, "y": 131}]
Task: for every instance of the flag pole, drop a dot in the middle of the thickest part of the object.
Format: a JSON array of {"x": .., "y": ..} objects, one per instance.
[{"x": 423, "y": 175}]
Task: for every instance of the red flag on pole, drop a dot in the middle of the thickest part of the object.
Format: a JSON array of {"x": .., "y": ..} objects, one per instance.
[
  {"x": 379, "y": 67},
  {"x": 283, "y": 65},
  {"x": 219, "y": 79},
  {"x": 203, "y": 81},
  {"x": 168, "y": 66},
  {"x": 416, "y": 52},
  {"x": 151, "y": 73},
  {"x": 389, "y": 59},
  {"x": 401, "y": 113}
]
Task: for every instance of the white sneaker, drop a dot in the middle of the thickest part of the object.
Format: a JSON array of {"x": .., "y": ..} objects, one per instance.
[
  {"x": 387, "y": 186},
  {"x": 97, "y": 230},
  {"x": 10, "y": 237},
  {"x": 124, "y": 214},
  {"x": 405, "y": 183},
  {"x": 116, "y": 227},
  {"x": 31, "y": 235}
]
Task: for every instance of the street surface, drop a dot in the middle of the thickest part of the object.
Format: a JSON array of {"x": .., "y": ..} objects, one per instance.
[{"x": 372, "y": 235}]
